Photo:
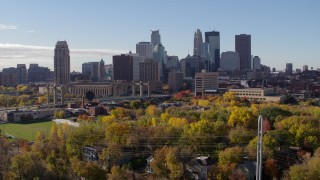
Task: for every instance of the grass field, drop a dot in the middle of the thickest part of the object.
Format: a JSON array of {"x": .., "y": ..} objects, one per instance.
[{"x": 26, "y": 131}]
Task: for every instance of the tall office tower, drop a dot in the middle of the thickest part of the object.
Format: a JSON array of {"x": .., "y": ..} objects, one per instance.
[
  {"x": 256, "y": 62},
  {"x": 61, "y": 63},
  {"x": 21, "y": 73},
  {"x": 213, "y": 40},
  {"x": 126, "y": 67},
  {"x": 243, "y": 48},
  {"x": 289, "y": 68},
  {"x": 230, "y": 61},
  {"x": 102, "y": 75},
  {"x": 191, "y": 65},
  {"x": 149, "y": 70},
  {"x": 145, "y": 49},
  {"x": 304, "y": 68},
  {"x": 175, "y": 80},
  {"x": 92, "y": 70},
  {"x": 155, "y": 37},
  {"x": 160, "y": 56},
  {"x": 172, "y": 63},
  {"x": 197, "y": 43}
]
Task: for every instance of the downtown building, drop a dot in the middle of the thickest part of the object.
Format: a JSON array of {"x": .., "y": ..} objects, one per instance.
[
  {"x": 256, "y": 63},
  {"x": 243, "y": 48},
  {"x": 94, "y": 71},
  {"x": 37, "y": 73},
  {"x": 289, "y": 68},
  {"x": 206, "y": 83},
  {"x": 212, "y": 43},
  {"x": 126, "y": 67},
  {"x": 230, "y": 61},
  {"x": 149, "y": 70},
  {"x": 197, "y": 43},
  {"x": 145, "y": 49},
  {"x": 61, "y": 63},
  {"x": 192, "y": 65}
]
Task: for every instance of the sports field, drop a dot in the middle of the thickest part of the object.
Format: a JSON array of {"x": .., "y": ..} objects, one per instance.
[{"x": 26, "y": 131}]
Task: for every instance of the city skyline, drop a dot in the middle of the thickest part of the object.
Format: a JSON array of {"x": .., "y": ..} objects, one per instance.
[{"x": 279, "y": 34}]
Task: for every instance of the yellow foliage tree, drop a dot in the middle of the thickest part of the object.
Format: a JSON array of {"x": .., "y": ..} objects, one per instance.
[
  {"x": 177, "y": 122},
  {"x": 243, "y": 117},
  {"x": 203, "y": 102}
]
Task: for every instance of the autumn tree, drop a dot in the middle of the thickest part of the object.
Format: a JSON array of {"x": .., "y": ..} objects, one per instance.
[
  {"x": 120, "y": 173},
  {"x": 241, "y": 135},
  {"x": 28, "y": 166},
  {"x": 309, "y": 169},
  {"x": 242, "y": 117},
  {"x": 166, "y": 163}
]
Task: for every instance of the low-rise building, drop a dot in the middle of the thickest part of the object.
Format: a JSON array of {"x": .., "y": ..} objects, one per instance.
[
  {"x": 25, "y": 115},
  {"x": 261, "y": 94}
]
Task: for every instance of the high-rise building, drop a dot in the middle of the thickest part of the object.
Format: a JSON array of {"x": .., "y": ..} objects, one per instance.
[
  {"x": 9, "y": 76},
  {"x": 62, "y": 63},
  {"x": 8, "y": 79},
  {"x": 149, "y": 70},
  {"x": 126, "y": 67},
  {"x": 92, "y": 70},
  {"x": 175, "y": 80},
  {"x": 37, "y": 73},
  {"x": 304, "y": 68},
  {"x": 102, "y": 75},
  {"x": 213, "y": 40},
  {"x": 145, "y": 49},
  {"x": 160, "y": 56},
  {"x": 197, "y": 43},
  {"x": 243, "y": 48},
  {"x": 256, "y": 62},
  {"x": 289, "y": 68},
  {"x": 21, "y": 74},
  {"x": 191, "y": 65},
  {"x": 230, "y": 61},
  {"x": 155, "y": 37},
  {"x": 172, "y": 62}
]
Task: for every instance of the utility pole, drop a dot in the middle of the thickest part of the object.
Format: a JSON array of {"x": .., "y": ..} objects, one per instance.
[{"x": 259, "y": 149}]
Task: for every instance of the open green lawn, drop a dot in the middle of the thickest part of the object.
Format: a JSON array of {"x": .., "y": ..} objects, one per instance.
[{"x": 26, "y": 131}]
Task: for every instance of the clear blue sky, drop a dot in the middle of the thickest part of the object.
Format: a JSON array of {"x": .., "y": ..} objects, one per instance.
[{"x": 282, "y": 31}]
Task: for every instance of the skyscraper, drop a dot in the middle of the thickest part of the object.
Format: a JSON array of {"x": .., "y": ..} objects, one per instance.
[
  {"x": 144, "y": 49},
  {"x": 230, "y": 61},
  {"x": 21, "y": 73},
  {"x": 61, "y": 63},
  {"x": 256, "y": 62},
  {"x": 289, "y": 68},
  {"x": 155, "y": 37},
  {"x": 102, "y": 70},
  {"x": 149, "y": 70},
  {"x": 92, "y": 70},
  {"x": 213, "y": 40},
  {"x": 126, "y": 67},
  {"x": 197, "y": 43},
  {"x": 243, "y": 48}
]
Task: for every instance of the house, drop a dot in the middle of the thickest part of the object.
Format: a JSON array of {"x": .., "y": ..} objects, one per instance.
[
  {"x": 248, "y": 168},
  {"x": 148, "y": 168},
  {"x": 200, "y": 167}
]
